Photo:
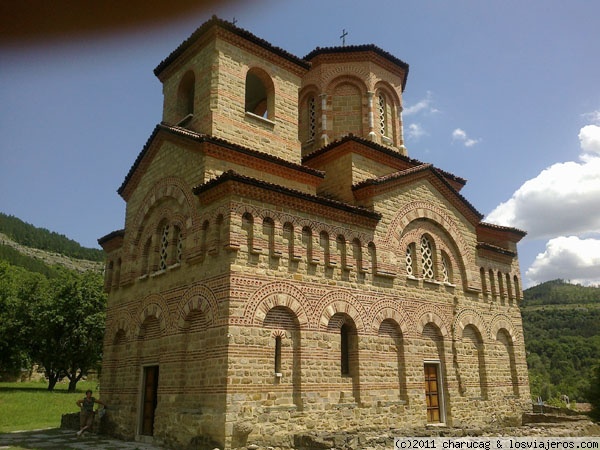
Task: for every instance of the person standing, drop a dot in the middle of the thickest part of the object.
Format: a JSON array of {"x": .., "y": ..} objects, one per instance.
[{"x": 86, "y": 416}]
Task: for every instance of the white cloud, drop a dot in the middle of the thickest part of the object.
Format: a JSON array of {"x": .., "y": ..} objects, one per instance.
[
  {"x": 422, "y": 106},
  {"x": 563, "y": 199},
  {"x": 569, "y": 258},
  {"x": 589, "y": 139},
  {"x": 415, "y": 131},
  {"x": 460, "y": 135},
  {"x": 562, "y": 205}
]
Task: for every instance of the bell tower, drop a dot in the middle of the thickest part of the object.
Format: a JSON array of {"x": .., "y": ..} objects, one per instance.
[
  {"x": 352, "y": 90},
  {"x": 227, "y": 83}
]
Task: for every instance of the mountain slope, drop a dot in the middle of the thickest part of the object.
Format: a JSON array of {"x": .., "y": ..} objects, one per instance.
[
  {"x": 40, "y": 250},
  {"x": 561, "y": 323}
]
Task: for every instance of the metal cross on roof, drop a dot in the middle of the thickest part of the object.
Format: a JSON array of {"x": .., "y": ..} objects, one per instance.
[{"x": 343, "y": 36}]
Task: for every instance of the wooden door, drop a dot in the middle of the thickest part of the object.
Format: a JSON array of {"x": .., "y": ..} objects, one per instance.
[
  {"x": 432, "y": 393},
  {"x": 150, "y": 399}
]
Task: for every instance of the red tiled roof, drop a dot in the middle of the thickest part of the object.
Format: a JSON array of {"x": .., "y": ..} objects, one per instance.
[
  {"x": 362, "y": 48},
  {"x": 198, "y": 137},
  {"x": 215, "y": 21},
  {"x": 379, "y": 148},
  {"x": 414, "y": 170}
]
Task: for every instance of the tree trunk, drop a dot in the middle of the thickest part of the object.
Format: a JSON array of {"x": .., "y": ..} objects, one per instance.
[
  {"x": 73, "y": 384},
  {"x": 52, "y": 380}
]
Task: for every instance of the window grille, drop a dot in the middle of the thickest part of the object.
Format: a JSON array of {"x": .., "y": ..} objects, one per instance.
[
  {"x": 312, "y": 118},
  {"x": 179, "y": 246},
  {"x": 445, "y": 269},
  {"x": 409, "y": 260},
  {"x": 164, "y": 248},
  {"x": 382, "y": 114},
  {"x": 426, "y": 258}
]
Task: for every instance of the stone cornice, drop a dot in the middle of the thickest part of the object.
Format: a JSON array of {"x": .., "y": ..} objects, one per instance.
[{"x": 231, "y": 182}]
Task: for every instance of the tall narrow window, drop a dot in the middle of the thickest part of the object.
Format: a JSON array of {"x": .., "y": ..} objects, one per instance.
[
  {"x": 145, "y": 269},
  {"x": 427, "y": 258},
  {"x": 382, "y": 110},
  {"x": 345, "y": 349},
  {"x": 164, "y": 248},
  {"x": 410, "y": 260},
  {"x": 446, "y": 269},
  {"x": 178, "y": 245},
  {"x": 277, "y": 354},
  {"x": 185, "y": 96},
  {"x": 312, "y": 118}
]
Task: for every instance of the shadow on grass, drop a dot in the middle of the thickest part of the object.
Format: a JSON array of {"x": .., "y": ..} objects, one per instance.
[{"x": 38, "y": 389}]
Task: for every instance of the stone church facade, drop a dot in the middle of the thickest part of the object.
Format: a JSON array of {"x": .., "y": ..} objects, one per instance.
[{"x": 286, "y": 268}]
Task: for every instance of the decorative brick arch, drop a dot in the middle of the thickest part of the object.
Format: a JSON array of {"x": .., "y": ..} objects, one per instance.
[
  {"x": 469, "y": 317},
  {"x": 198, "y": 298},
  {"x": 431, "y": 317},
  {"x": 307, "y": 91},
  {"x": 424, "y": 210},
  {"x": 389, "y": 90},
  {"x": 170, "y": 187},
  {"x": 340, "y": 302},
  {"x": 389, "y": 309},
  {"x": 503, "y": 322},
  {"x": 277, "y": 294},
  {"x": 153, "y": 306},
  {"x": 341, "y": 73},
  {"x": 121, "y": 322}
]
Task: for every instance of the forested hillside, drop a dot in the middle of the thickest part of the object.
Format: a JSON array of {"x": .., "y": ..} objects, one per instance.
[
  {"x": 561, "y": 322},
  {"x": 52, "y": 304},
  {"x": 40, "y": 238}
]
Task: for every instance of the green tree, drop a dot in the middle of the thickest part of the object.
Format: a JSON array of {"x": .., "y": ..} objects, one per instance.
[
  {"x": 19, "y": 289},
  {"x": 69, "y": 327}
]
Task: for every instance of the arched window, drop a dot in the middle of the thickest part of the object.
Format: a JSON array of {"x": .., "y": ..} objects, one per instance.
[
  {"x": 145, "y": 269},
  {"x": 185, "y": 95},
  {"x": 345, "y": 349},
  {"x": 410, "y": 260},
  {"x": 278, "y": 354},
  {"x": 312, "y": 118},
  {"x": 164, "y": 247},
  {"x": 446, "y": 269},
  {"x": 427, "y": 258},
  {"x": 259, "y": 93},
  {"x": 178, "y": 241},
  {"x": 383, "y": 114}
]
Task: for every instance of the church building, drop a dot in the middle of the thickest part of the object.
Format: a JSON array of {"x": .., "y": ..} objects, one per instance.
[{"x": 286, "y": 269}]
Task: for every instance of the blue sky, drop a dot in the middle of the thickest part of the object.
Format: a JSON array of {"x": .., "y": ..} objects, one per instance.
[{"x": 502, "y": 93}]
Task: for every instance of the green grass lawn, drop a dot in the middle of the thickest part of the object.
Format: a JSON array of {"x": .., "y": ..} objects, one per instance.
[{"x": 30, "y": 406}]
